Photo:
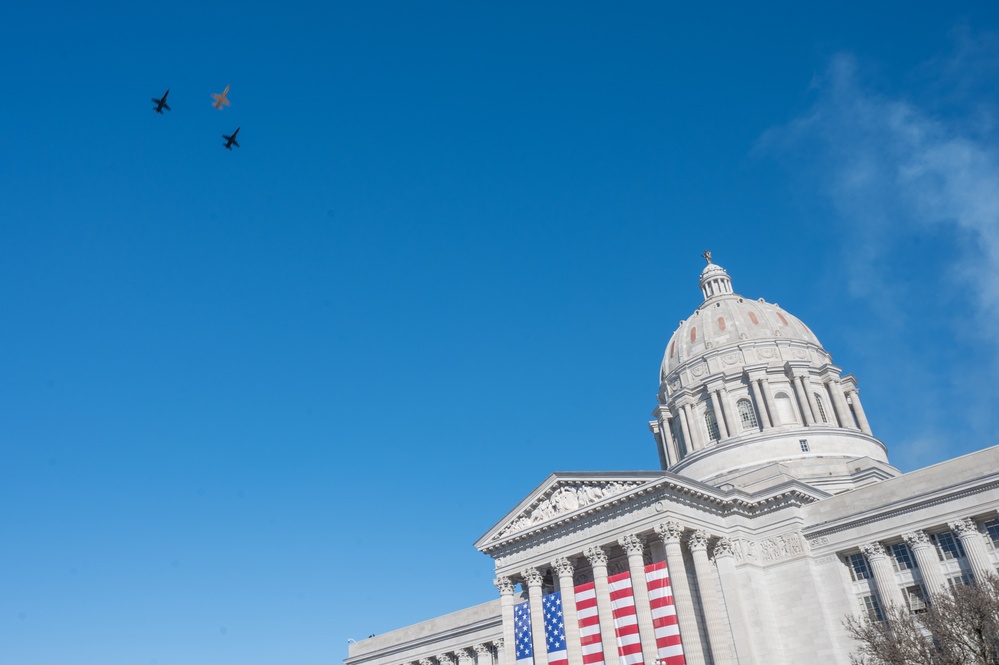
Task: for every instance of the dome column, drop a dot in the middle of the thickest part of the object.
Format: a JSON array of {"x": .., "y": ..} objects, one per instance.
[
  {"x": 858, "y": 411},
  {"x": 838, "y": 399},
  {"x": 691, "y": 430},
  {"x": 806, "y": 383},
  {"x": 719, "y": 417},
  {"x": 798, "y": 382},
  {"x": 755, "y": 377}
]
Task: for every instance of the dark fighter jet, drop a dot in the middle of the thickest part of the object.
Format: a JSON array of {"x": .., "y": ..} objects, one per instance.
[
  {"x": 230, "y": 141},
  {"x": 161, "y": 103}
]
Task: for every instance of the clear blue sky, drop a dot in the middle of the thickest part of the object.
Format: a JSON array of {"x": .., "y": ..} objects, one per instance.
[{"x": 255, "y": 403}]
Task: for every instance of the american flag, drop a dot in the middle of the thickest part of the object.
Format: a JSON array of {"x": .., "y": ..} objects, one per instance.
[
  {"x": 522, "y": 633},
  {"x": 589, "y": 624},
  {"x": 555, "y": 629},
  {"x": 668, "y": 646},
  {"x": 629, "y": 643}
]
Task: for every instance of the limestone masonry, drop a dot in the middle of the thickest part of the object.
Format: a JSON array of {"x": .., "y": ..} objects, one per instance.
[{"x": 776, "y": 511}]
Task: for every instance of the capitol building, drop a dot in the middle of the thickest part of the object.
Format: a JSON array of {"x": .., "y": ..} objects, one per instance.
[{"x": 775, "y": 514}]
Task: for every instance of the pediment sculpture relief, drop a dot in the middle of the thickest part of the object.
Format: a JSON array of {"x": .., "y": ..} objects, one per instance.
[{"x": 565, "y": 499}]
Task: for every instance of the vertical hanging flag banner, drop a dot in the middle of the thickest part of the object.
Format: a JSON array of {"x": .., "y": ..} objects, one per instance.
[
  {"x": 669, "y": 649},
  {"x": 522, "y": 633},
  {"x": 629, "y": 643},
  {"x": 589, "y": 624},
  {"x": 555, "y": 628}
]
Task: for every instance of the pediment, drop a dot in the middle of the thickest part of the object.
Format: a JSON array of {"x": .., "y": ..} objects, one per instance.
[{"x": 563, "y": 495}]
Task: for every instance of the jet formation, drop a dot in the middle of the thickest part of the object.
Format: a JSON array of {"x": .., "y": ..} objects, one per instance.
[{"x": 220, "y": 100}]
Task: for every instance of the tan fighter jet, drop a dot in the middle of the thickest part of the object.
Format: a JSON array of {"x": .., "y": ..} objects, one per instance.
[{"x": 220, "y": 99}]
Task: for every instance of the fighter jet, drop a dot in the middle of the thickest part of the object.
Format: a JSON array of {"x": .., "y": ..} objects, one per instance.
[
  {"x": 220, "y": 100},
  {"x": 161, "y": 103},
  {"x": 230, "y": 141}
]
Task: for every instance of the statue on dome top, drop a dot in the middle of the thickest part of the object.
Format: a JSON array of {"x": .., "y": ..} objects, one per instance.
[{"x": 707, "y": 256}]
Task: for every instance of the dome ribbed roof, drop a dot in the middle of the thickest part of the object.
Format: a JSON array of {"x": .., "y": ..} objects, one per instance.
[{"x": 726, "y": 318}]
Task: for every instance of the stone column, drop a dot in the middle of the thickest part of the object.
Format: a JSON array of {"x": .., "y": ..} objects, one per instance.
[
  {"x": 696, "y": 436},
  {"x": 974, "y": 547},
  {"x": 666, "y": 427},
  {"x": 730, "y": 420},
  {"x": 670, "y": 533},
  {"x": 465, "y": 657},
  {"x": 505, "y": 587},
  {"x": 564, "y": 568},
  {"x": 927, "y": 561},
  {"x": 717, "y": 637},
  {"x": 501, "y": 652},
  {"x": 744, "y": 636},
  {"x": 533, "y": 578},
  {"x": 656, "y": 427},
  {"x": 768, "y": 397},
  {"x": 839, "y": 404},
  {"x": 680, "y": 417},
  {"x": 761, "y": 408},
  {"x": 884, "y": 575},
  {"x": 858, "y": 410},
  {"x": 598, "y": 561},
  {"x": 806, "y": 409},
  {"x": 634, "y": 546},
  {"x": 719, "y": 417},
  {"x": 483, "y": 654},
  {"x": 806, "y": 383}
]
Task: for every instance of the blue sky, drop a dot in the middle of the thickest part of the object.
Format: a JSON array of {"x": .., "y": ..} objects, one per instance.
[{"x": 258, "y": 402}]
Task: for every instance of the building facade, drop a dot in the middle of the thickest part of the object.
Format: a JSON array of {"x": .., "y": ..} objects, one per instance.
[{"x": 775, "y": 514}]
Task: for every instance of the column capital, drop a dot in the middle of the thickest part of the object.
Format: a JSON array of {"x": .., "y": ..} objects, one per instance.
[
  {"x": 504, "y": 585},
  {"x": 963, "y": 526},
  {"x": 698, "y": 540},
  {"x": 723, "y": 548},
  {"x": 632, "y": 544},
  {"x": 464, "y": 656},
  {"x": 669, "y": 531},
  {"x": 873, "y": 550},
  {"x": 596, "y": 556},
  {"x": 564, "y": 566},
  {"x": 917, "y": 539},
  {"x": 445, "y": 659},
  {"x": 426, "y": 661},
  {"x": 532, "y": 577},
  {"x": 483, "y": 649},
  {"x": 499, "y": 642}
]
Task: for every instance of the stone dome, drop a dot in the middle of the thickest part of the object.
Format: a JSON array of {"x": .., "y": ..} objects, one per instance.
[
  {"x": 726, "y": 318},
  {"x": 745, "y": 386}
]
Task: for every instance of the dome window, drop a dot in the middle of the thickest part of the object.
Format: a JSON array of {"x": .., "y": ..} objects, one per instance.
[
  {"x": 693, "y": 334},
  {"x": 782, "y": 319},
  {"x": 672, "y": 348},
  {"x": 712, "y": 425},
  {"x": 747, "y": 416},
  {"x": 721, "y": 323},
  {"x": 752, "y": 317},
  {"x": 822, "y": 409}
]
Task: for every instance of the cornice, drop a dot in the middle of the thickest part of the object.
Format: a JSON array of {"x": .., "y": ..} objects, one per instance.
[{"x": 902, "y": 507}]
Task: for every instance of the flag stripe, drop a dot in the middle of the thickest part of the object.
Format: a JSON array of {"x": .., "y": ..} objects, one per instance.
[
  {"x": 669, "y": 648},
  {"x": 629, "y": 642},
  {"x": 591, "y": 645}
]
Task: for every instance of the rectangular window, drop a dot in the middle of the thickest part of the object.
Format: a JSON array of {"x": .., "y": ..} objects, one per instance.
[
  {"x": 873, "y": 608},
  {"x": 948, "y": 547},
  {"x": 858, "y": 567},
  {"x": 967, "y": 579},
  {"x": 992, "y": 528},
  {"x": 901, "y": 557},
  {"x": 914, "y": 599},
  {"x": 804, "y": 445}
]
